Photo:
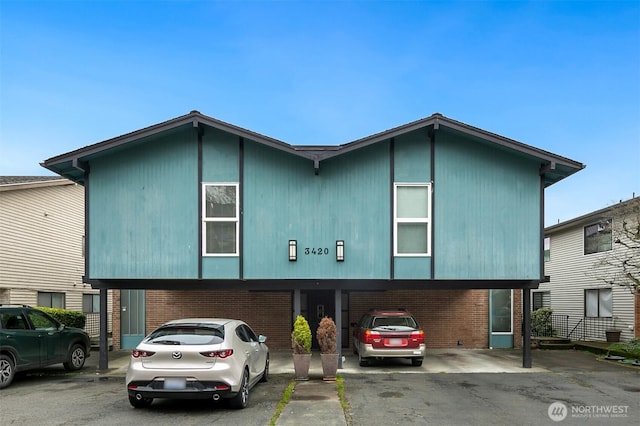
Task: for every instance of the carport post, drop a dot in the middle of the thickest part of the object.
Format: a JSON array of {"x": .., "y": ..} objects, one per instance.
[
  {"x": 526, "y": 329},
  {"x": 338, "y": 315},
  {"x": 296, "y": 304},
  {"x": 103, "y": 362}
]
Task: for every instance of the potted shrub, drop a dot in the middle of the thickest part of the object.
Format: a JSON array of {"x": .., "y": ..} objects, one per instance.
[
  {"x": 327, "y": 336},
  {"x": 301, "y": 345}
]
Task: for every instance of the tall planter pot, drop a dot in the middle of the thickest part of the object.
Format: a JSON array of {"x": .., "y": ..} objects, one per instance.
[
  {"x": 329, "y": 366},
  {"x": 301, "y": 364}
]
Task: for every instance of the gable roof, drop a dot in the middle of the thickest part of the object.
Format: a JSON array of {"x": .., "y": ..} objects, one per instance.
[
  {"x": 594, "y": 216},
  {"x": 72, "y": 164},
  {"x": 11, "y": 183}
]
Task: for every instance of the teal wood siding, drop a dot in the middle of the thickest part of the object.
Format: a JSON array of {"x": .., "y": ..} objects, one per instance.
[
  {"x": 143, "y": 210},
  {"x": 487, "y": 212},
  {"x": 412, "y": 164},
  {"x": 220, "y": 164},
  {"x": 348, "y": 200}
]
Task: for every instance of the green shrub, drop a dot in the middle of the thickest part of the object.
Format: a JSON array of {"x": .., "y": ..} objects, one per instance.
[
  {"x": 632, "y": 347},
  {"x": 66, "y": 317},
  {"x": 301, "y": 336},
  {"x": 541, "y": 322}
]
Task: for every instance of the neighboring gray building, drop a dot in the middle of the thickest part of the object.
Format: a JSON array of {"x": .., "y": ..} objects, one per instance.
[
  {"x": 42, "y": 245},
  {"x": 574, "y": 251}
]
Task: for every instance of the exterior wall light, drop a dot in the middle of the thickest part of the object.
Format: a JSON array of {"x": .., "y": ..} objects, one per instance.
[
  {"x": 293, "y": 250},
  {"x": 340, "y": 251}
]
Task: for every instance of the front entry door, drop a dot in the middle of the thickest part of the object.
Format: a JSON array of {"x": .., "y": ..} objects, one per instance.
[
  {"x": 132, "y": 318},
  {"x": 320, "y": 304}
]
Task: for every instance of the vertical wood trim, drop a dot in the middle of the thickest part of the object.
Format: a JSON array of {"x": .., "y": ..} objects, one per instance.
[
  {"x": 200, "y": 227},
  {"x": 432, "y": 166},
  {"x": 392, "y": 178},
  {"x": 241, "y": 208}
]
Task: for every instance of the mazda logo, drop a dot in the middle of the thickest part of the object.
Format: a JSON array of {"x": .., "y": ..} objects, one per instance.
[{"x": 176, "y": 355}]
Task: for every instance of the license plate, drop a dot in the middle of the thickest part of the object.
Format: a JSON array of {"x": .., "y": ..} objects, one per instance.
[
  {"x": 175, "y": 383},
  {"x": 395, "y": 342}
]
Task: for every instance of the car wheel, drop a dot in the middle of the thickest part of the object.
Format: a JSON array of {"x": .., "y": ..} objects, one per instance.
[
  {"x": 77, "y": 356},
  {"x": 242, "y": 397},
  {"x": 7, "y": 371},
  {"x": 265, "y": 373},
  {"x": 362, "y": 361},
  {"x": 140, "y": 403},
  {"x": 416, "y": 362}
]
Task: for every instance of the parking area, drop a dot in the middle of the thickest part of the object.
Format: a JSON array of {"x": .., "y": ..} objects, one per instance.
[{"x": 473, "y": 387}]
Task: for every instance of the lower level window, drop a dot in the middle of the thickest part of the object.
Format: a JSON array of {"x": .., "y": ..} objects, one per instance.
[
  {"x": 541, "y": 299},
  {"x": 90, "y": 303},
  {"x": 51, "y": 300},
  {"x": 597, "y": 302},
  {"x": 501, "y": 311}
]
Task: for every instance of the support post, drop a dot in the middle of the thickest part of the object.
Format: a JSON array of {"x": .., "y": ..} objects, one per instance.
[
  {"x": 338, "y": 321},
  {"x": 526, "y": 328},
  {"x": 103, "y": 362}
]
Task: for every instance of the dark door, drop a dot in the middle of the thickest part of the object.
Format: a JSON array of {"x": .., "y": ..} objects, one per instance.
[{"x": 320, "y": 304}]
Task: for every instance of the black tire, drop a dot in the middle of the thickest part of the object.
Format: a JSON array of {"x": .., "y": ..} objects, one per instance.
[
  {"x": 77, "y": 357},
  {"x": 7, "y": 371},
  {"x": 362, "y": 361},
  {"x": 140, "y": 403},
  {"x": 265, "y": 374},
  {"x": 416, "y": 362},
  {"x": 242, "y": 397}
]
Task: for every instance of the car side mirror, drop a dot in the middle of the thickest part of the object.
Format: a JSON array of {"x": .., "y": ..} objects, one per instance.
[
  {"x": 262, "y": 338},
  {"x": 61, "y": 327}
]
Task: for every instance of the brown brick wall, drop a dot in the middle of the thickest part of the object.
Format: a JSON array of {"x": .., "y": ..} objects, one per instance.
[
  {"x": 448, "y": 316},
  {"x": 268, "y": 313}
]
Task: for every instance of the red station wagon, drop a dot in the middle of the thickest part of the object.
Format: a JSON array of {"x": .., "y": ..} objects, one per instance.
[{"x": 390, "y": 333}]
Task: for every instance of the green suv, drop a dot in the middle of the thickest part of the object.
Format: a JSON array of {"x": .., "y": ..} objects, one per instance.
[{"x": 31, "y": 339}]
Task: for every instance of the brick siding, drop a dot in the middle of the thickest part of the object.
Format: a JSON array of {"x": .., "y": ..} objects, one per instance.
[{"x": 451, "y": 318}]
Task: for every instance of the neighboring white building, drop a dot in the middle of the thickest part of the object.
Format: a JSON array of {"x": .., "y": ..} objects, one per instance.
[
  {"x": 574, "y": 251},
  {"x": 42, "y": 245}
]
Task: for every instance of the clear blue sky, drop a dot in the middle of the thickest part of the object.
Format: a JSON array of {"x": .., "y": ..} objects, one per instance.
[{"x": 561, "y": 76}]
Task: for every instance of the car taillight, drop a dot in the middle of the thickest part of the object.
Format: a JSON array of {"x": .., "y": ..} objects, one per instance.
[
  {"x": 417, "y": 336},
  {"x": 371, "y": 337},
  {"x": 141, "y": 354},
  {"x": 218, "y": 354}
]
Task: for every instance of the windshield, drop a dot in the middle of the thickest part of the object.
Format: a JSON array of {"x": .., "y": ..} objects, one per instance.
[{"x": 187, "y": 335}]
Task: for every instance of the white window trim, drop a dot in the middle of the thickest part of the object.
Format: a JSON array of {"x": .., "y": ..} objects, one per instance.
[
  {"x": 427, "y": 220},
  {"x": 205, "y": 219}
]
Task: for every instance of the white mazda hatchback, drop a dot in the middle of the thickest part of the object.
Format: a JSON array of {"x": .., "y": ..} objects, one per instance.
[{"x": 198, "y": 358}]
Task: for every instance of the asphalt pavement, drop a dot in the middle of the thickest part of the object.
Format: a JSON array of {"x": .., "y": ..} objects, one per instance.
[{"x": 492, "y": 386}]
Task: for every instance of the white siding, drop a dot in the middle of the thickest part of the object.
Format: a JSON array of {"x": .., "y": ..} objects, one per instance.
[
  {"x": 41, "y": 237},
  {"x": 571, "y": 272}
]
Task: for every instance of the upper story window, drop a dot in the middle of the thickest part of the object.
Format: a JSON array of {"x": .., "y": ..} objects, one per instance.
[
  {"x": 547, "y": 249},
  {"x": 411, "y": 219},
  {"x": 597, "y": 237},
  {"x": 221, "y": 219}
]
